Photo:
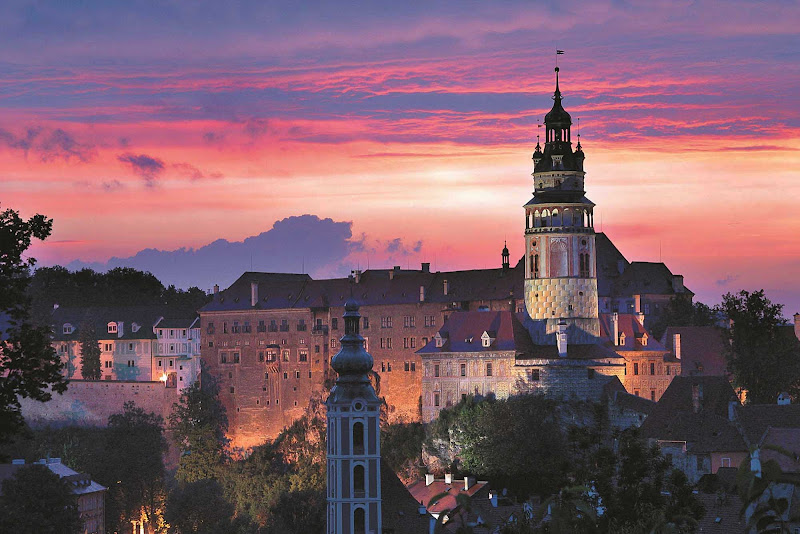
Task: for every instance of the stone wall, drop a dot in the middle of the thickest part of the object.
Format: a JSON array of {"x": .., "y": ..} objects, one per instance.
[{"x": 89, "y": 403}]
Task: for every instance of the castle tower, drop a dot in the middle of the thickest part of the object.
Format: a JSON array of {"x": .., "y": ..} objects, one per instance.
[
  {"x": 354, "y": 454},
  {"x": 560, "y": 260}
]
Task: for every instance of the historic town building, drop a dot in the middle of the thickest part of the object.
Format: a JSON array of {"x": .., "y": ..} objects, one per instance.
[{"x": 269, "y": 337}]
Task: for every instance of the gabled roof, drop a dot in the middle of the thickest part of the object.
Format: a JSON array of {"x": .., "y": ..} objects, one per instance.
[
  {"x": 722, "y": 513},
  {"x": 99, "y": 317},
  {"x": 787, "y": 440},
  {"x": 575, "y": 351},
  {"x": 628, "y": 324},
  {"x": 462, "y": 333},
  {"x": 702, "y": 349},
  {"x": 609, "y": 260},
  {"x": 423, "y": 493},
  {"x": 707, "y": 430},
  {"x": 79, "y": 483}
]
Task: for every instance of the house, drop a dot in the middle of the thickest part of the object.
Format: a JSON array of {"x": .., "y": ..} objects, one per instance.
[
  {"x": 90, "y": 494},
  {"x": 699, "y": 349},
  {"x": 694, "y": 424}
]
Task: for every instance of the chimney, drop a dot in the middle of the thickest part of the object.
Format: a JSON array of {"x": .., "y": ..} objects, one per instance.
[
  {"x": 426, "y": 267},
  {"x": 797, "y": 325},
  {"x": 697, "y": 397},
  {"x": 429, "y": 479},
  {"x": 732, "y": 410},
  {"x": 561, "y": 339},
  {"x": 216, "y": 288},
  {"x": 394, "y": 271},
  {"x": 784, "y": 399},
  {"x": 640, "y": 318},
  {"x": 448, "y": 478},
  {"x": 621, "y": 266},
  {"x": 493, "y": 498},
  {"x": 356, "y": 276},
  {"x": 120, "y": 329},
  {"x": 468, "y": 483},
  {"x": 55, "y": 307},
  {"x": 446, "y": 287},
  {"x": 253, "y": 293},
  {"x": 637, "y": 303},
  {"x": 422, "y": 293},
  {"x": 676, "y": 345},
  {"x": 615, "y": 325},
  {"x": 677, "y": 283}
]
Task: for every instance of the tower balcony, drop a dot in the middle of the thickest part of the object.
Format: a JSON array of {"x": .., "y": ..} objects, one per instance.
[{"x": 560, "y": 230}]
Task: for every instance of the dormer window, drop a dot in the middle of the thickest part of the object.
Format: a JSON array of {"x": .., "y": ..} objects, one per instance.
[
  {"x": 135, "y": 327},
  {"x": 439, "y": 340},
  {"x": 622, "y": 338},
  {"x": 67, "y": 328},
  {"x": 486, "y": 339},
  {"x": 644, "y": 339},
  {"x": 112, "y": 328}
]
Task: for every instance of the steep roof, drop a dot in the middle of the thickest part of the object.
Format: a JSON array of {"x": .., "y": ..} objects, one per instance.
[
  {"x": 702, "y": 349},
  {"x": 722, "y": 513},
  {"x": 463, "y": 330},
  {"x": 646, "y": 278},
  {"x": 423, "y": 493},
  {"x": 756, "y": 419},
  {"x": 788, "y": 441},
  {"x": 79, "y": 483},
  {"x": 399, "y": 509},
  {"x": 634, "y": 333},
  {"x": 575, "y": 351},
  {"x": 145, "y": 317},
  {"x": 609, "y": 261},
  {"x": 708, "y": 429}
]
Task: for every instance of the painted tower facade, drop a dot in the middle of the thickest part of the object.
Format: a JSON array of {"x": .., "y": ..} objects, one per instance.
[
  {"x": 354, "y": 491},
  {"x": 560, "y": 259}
]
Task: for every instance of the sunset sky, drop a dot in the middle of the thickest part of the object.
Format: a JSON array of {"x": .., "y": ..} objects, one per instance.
[{"x": 170, "y": 125}]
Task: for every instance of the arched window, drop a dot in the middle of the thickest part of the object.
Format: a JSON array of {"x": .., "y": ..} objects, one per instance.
[
  {"x": 556, "y": 218},
  {"x": 358, "y": 438},
  {"x": 537, "y": 219},
  {"x": 545, "y": 218},
  {"x": 358, "y": 481},
  {"x": 359, "y": 521},
  {"x": 567, "y": 217},
  {"x": 577, "y": 217}
]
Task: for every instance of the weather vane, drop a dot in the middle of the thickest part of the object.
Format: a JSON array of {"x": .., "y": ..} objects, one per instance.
[{"x": 558, "y": 53}]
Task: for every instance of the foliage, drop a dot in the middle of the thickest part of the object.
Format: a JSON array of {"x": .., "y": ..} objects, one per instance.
[
  {"x": 90, "y": 352},
  {"x": 36, "y": 500},
  {"x": 135, "y": 446},
  {"x": 198, "y": 423},
  {"x": 200, "y": 507},
  {"x": 401, "y": 448},
  {"x": 764, "y": 360},
  {"x": 281, "y": 485},
  {"x": 572, "y": 510},
  {"x": 29, "y": 367},
  {"x": 457, "y": 516},
  {"x": 122, "y": 286},
  {"x": 765, "y": 506},
  {"x": 518, "y": 443},
  {"x": 681, "y": 311}
]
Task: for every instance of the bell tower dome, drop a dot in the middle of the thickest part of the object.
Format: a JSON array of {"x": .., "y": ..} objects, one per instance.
[{"x": 560, "y": 259}]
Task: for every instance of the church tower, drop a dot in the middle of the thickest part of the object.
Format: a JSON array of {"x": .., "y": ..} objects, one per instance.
[
  {"x": 354, "y": 454},
  {"x": 560, "y": 260}
]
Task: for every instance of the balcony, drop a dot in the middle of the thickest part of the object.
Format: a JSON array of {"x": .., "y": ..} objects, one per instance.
[{"x": 320, "y": 330}]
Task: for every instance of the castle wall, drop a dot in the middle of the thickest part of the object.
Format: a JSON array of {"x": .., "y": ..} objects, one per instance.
[{"x": 90, "y": 403}]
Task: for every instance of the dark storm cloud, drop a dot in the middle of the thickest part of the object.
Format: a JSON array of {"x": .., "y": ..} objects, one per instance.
[
  {"x": 146, "y": 167},
  {"x": 48, "y": 144}
]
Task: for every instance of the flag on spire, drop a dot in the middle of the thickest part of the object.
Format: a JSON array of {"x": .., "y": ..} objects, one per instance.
[{"x": 559, "y": 52}]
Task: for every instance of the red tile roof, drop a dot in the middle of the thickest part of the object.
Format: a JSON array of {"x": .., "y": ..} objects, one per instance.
[
  {"x": 463, "y": 330},
  {"x": 424, "y": 493},
  {"x": 399, "y": 509},
  {"x": 628, "y": 324}
]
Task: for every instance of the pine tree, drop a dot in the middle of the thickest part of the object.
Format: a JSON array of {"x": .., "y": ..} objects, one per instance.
[{"x": 90, "y": 353}]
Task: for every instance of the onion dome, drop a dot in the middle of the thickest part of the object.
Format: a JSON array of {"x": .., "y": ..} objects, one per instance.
[{"x": 352, "y": 360}]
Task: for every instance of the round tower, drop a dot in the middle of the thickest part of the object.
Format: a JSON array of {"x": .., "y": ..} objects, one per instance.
[
  {"x": 354, "y": 454},
  {"x": 560, "y": 257}
]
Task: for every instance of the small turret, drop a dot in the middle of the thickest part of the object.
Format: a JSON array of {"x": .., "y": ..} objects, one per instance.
[{"x": 505, "y": 254}]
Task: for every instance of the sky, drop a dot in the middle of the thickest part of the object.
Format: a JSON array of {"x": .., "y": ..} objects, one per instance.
[{"x": 202, "y": 139}]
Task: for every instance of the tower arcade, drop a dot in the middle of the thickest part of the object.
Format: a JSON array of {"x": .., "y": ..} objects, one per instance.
[
  {"x": 354, "y": 466},
  {"x": 560, "y": 255}
]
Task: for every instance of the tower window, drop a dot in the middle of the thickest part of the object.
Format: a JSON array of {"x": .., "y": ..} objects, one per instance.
[
  {"x": 359, "y": 521},
  {"x": 358, "y": 438},
  {"x": 358, "y": 481}
]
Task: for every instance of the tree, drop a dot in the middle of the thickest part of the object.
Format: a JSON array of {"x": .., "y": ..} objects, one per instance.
[
  {"x": 135, "y": 445},
  {"x": 29, "y": 366},
  {"x": 198, "y": 423},
  {"x": 90, "y": 352},
  {"x": 763, "y": 357},
  {"x": 681, "y": 311},
  {"x": 36, "y": 500},
  {"x": 200, "y": 508}
]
